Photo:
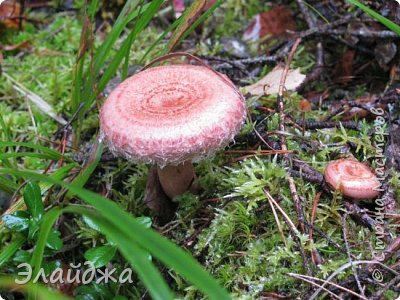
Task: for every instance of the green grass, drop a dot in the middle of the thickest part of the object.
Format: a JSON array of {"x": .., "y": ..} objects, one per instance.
[{"x": 389, "y": 24}]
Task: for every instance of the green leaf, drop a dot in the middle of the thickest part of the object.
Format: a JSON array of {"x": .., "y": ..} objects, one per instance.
[
  {"x": 22, "y": 256},
  {"x": 132, "y": 233},
  {"x": 50, "y": 267},
  {"x": 7, "y": 185},
  {"x": 49, "y": 152},
  {"x": 42, "y": 292},
  {"x": 146, "y": 221},
  {"x": 93, "y": 292},
  {"x": 89, "y": 222},
  {"x": 17, "y": 221},
  {"x": 137, "y": 257},
  {"x": 8, "y": 251},
  {"x": 4, "y": 156},
  {"x": 100, "y": 256},
  {"x": 54, "y": 241},
  {"x": 33, "y": 200},
  {"x": 33, "y": 228}
]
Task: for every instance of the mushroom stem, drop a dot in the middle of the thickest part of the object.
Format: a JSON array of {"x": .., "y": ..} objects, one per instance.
[{"x": 176, "y": 180}]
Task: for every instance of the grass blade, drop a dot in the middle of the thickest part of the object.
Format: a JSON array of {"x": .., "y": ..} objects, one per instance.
[
  {"x": 31, "y": 288},
  {"x": 134, "y": 254},
  {"x": 389, "y": 24},
  {"x": 13, "y": 247},
  {"x": 190, "y": 19},
  {"x": 7, "y": 185},
  {"x": 159, "y": 246},
  {"x": 45, "y": 150},
  {"x": 4, "y": 156}
]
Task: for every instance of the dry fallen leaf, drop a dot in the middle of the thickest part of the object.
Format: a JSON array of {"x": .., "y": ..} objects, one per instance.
[
  {"x": 384, "y": 53},
  {"x": 37, "y": 100},
  {"x": 270, "y": 83},
  {"x": 10, "y": 10},
  {"x": 343, "y": 71},
  {"x": 22, "y": 45},
  {"x": 274, "y": 22}
]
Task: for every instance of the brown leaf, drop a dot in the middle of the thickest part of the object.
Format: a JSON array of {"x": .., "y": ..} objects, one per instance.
[
  {"x": 22, "y": 45},
  {"x": 343, "y": 71},
  {"x": 394, "y": 74},
  {"x": 274, "y": 22},
  {"x": 10, "y": 10},
  {"x": 270, "y": 83},
  {"x": 86, "y": 36},
  {"x": 356, "y": 112},
  {"x": 384, "y": 53}
]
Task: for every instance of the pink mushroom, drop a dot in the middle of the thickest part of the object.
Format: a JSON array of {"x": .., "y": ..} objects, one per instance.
[
  {"x": 179, "y": 7},
  {"x": 170, "y": 116},
  {"x": 352, "y": 178}
]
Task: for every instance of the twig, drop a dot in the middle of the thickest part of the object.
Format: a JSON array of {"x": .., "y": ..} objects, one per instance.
[
  {"x": 327, "y": 238},
  {"x": 346, "y": 266},
  {"x": 304, "y": 277},
  {"x": 277, "y": 219},
  {"x": 315, "y": 255},
  {"x": 346, "y": 243},
  {"x": 384, "y": 34},
  {"x": 392, "y": 248},
  {"x": 362, "y": 215},
  {"x": 292, "y": 186},
  {"x": 295, "y": 232},
  {"x": 312, "y": 23},
  {"x": 292, "y": 227},
  {"x": 378, "y": 295},
  {"x": 310, "y": 125},
  {"x": 298, "y": 276}
]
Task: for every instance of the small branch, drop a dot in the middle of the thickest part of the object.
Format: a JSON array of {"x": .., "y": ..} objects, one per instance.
[
  {"x": 280, "y": 104},
  {"x": 346, "y": 243},
  {"x": 310, "y": 124},
  {"x": 344, "y": 267},
  {"x": 362, "y": 215},
  {"x": 309, "y": 280}
]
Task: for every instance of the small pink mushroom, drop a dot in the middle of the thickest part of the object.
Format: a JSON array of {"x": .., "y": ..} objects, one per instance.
[
  {"x": 171, "y": 115},
  {"x": 179, "y": 7},
  {"x": 352, "y": 178}
]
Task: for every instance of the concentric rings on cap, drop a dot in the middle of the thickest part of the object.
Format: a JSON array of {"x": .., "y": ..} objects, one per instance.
[
  {"x": 352, "y": 178},
  {"x": 170, "y": 114}
]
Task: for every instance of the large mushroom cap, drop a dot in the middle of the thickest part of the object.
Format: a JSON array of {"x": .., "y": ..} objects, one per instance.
[
  {"x": 169, "y": 114},
  {"x": 352, "y": 178}
]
